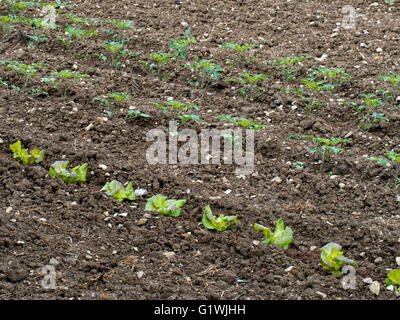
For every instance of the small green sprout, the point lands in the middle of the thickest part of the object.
(22, 155)
(33, 40)
(332, 259)
(245, 123)
(281, 237)
(121, 25)
(334, 77)
(187, 117)
(161, 59)
(118, 97)
(393, 279)
(76, 35)
(326, 147)
(26, 70)
(63, 80)
(221, 223)
(250, 88)
(240, 51)
(206, 70)
(370, 117)
(116, 50)
(115, 190)
(58, 169)
(165, 207)
(394, 166)
(286, 66)
(176, 106)
(394, 79)
(181, 46)
(137, 114)
(309, 99)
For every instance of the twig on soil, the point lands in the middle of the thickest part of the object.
(100, 277)
(211, 268)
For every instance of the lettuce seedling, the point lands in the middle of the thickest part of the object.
(221, 223)
(117, 191)
(58, 169)
(393, 279)
(332, 259)
(165, 207)
(281, 237)
(22, 155)
(137, 114)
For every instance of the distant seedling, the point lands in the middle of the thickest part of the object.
(220, 223)
(137, 114)
(181, 46)
(117, 97)
(160, 61)
(166, 207)
(243, 122)
(116, 52)
(63, 80)
(332, 259)
(241, 53)
(281, 236)
(334, 77)
(394, 165)
(22, 155)
(326, 147)
(287, 64)
(249, 82)
(116, 190)
(75, 35)
(309, 98)
(58, 169)
(370, 117)
(206, 70)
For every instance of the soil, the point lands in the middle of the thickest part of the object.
(99, 252)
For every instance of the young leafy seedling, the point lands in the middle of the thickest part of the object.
(160, 60)
(116, 190)
(334, 77)
(206, 70)
(76, 35)
(137, 114)
(394, 79)
(166, 207)
(393, 279)
(281, 237)
(326, 147)
(63, 80)
(118, 97)
(245, 123)
(181, 46)
(221, 223)
(241, 52)
(309, 98)
(332, 259)
(249, 82)
(287, 64)
(58, 169)
(370, 117)
(26, 70)
(22, 155)
(394, 166)
(116, 51)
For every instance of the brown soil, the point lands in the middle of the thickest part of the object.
(101, 252)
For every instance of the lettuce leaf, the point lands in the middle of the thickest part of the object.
(332, 258)
(221, 223)
(281, 237)
(117, 191)
(58, 169)
(166, 207)
(22, 155)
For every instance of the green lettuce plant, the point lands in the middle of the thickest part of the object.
(22, 155)
(116, 190)
(58, 169)
(166, 207)
(332, 259)
(393, 279)
(220, 223)
(282, 236)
